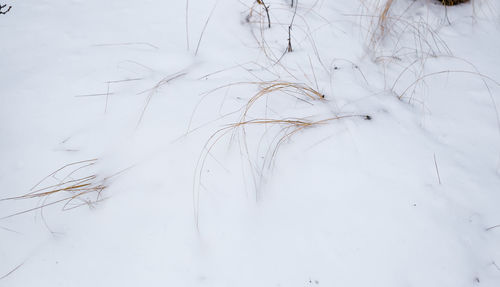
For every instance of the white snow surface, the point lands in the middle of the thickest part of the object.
(407, 197)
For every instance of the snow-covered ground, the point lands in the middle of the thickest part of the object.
(367, 156)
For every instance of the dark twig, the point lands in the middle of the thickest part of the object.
(437, 169)
(496, 266)
(492, 227)
(289, 48)
(261, 2)
(12, 271)
(3, 6)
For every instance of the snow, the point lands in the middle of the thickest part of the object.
(406, 197)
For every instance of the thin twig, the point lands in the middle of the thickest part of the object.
(3, 6)
(12, 271)
(496, 266)
(266, 8)
(290, 49)
(124, 80)
(447, 72)
(93, 95)
(107, 98)
(437, 170)
(492, 227)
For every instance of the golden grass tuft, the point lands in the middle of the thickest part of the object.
(76, 184)
(382, 20)
(285, 127)
(293, 89)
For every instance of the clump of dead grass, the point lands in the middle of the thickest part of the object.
(287, 129)
(284, 128)
(73, 185)
(299, 91)
(402, 42)
(395, 33)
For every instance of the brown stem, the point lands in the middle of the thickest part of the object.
(261, 2)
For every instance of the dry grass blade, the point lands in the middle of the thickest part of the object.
(265, 88)
(127, 44)
(204, 28)
(154, 89)
(482, 76)
(382, 20)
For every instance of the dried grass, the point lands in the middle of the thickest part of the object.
(294, 89)
(286, 128)
(76, 184)
(152, 91)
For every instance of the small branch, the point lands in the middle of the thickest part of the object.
(107, 98)
(289, 48)
(437, 170)
(18, 266)
(492, 227)
(261, 2)
(496, 266)
(3, 6)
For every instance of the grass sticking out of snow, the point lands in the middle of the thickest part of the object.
(73, 185)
